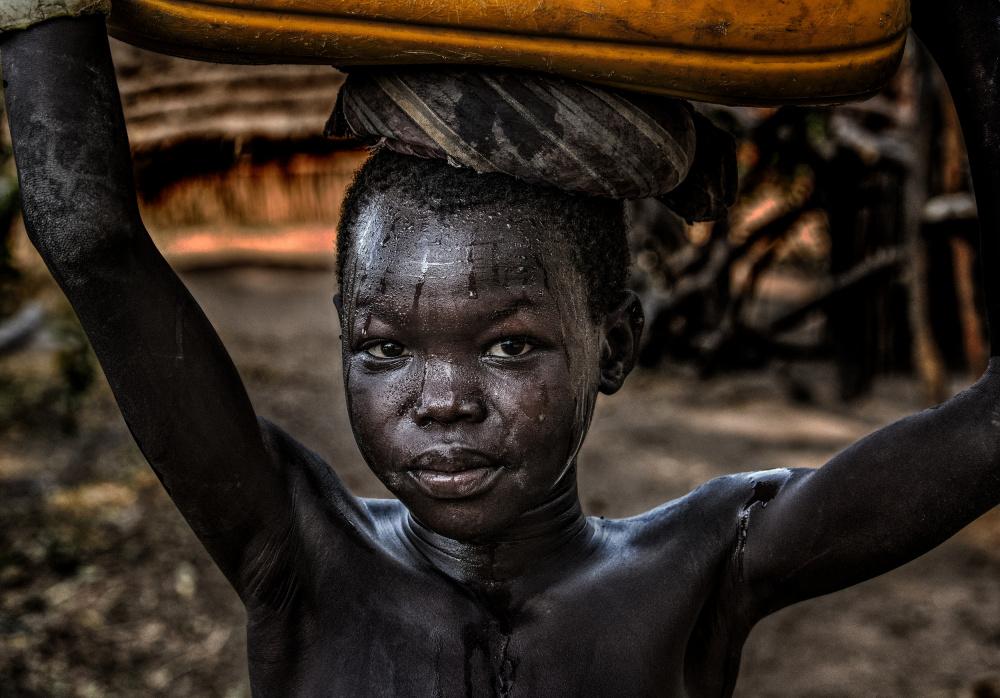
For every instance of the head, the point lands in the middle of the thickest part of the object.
(481, 317)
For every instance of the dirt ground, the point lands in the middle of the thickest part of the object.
(104, 591)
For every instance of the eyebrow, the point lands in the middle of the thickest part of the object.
(512, 309)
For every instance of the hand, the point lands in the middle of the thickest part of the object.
(21, 14)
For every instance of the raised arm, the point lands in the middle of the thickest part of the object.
(177, 388)
(909, 486)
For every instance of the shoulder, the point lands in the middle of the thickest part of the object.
(696, 542)
(301, 466)
(709, 519)
(732, 494)
(319, 499)
(323, 529)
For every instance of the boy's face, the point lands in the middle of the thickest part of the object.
(471, 362)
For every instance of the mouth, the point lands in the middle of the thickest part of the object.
(453, 474)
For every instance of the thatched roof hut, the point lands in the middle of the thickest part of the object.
(231, 163)
(169, 100)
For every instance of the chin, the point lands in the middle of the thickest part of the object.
(466, 521)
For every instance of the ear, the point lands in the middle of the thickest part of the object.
(620, 347)
(338, 303)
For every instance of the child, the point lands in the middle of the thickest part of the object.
(477, 332)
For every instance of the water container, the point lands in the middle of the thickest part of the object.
(729, 51)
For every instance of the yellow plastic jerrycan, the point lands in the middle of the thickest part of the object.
(731, 51)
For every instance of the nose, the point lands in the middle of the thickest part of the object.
(447, 395)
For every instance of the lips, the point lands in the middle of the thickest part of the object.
(453, 473)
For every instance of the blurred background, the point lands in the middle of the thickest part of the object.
(842, 293)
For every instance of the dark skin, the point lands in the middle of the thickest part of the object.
(484, 578)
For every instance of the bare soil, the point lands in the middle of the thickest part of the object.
(105, 592)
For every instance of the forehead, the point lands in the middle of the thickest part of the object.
(484, 253)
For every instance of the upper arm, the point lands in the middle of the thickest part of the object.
(176, 386)
(185, 404)
(880, 503)
(911, 485)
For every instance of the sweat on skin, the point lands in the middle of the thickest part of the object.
(501, 362)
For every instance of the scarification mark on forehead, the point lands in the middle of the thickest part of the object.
(365, 239)
(473, 292)
(407, 245)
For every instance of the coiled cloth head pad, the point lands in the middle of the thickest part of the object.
(545, 130)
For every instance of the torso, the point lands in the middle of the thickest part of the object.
(647, 606)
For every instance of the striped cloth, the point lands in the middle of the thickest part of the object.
(545, 130)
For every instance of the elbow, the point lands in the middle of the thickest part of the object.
(992, 373)
(77, 254)
(77, 217)
(987, 388)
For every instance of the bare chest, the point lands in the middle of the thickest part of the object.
(401, 635)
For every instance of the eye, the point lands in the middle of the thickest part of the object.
(509, 347)
(388, 350)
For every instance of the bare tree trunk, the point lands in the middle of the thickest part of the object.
(925, 353)
(963, 261)
(963, 255)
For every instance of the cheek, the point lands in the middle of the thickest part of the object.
(373, 398)
(527, 400)
(538, 415)
(376, 405)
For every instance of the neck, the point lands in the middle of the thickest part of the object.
(552, 531)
